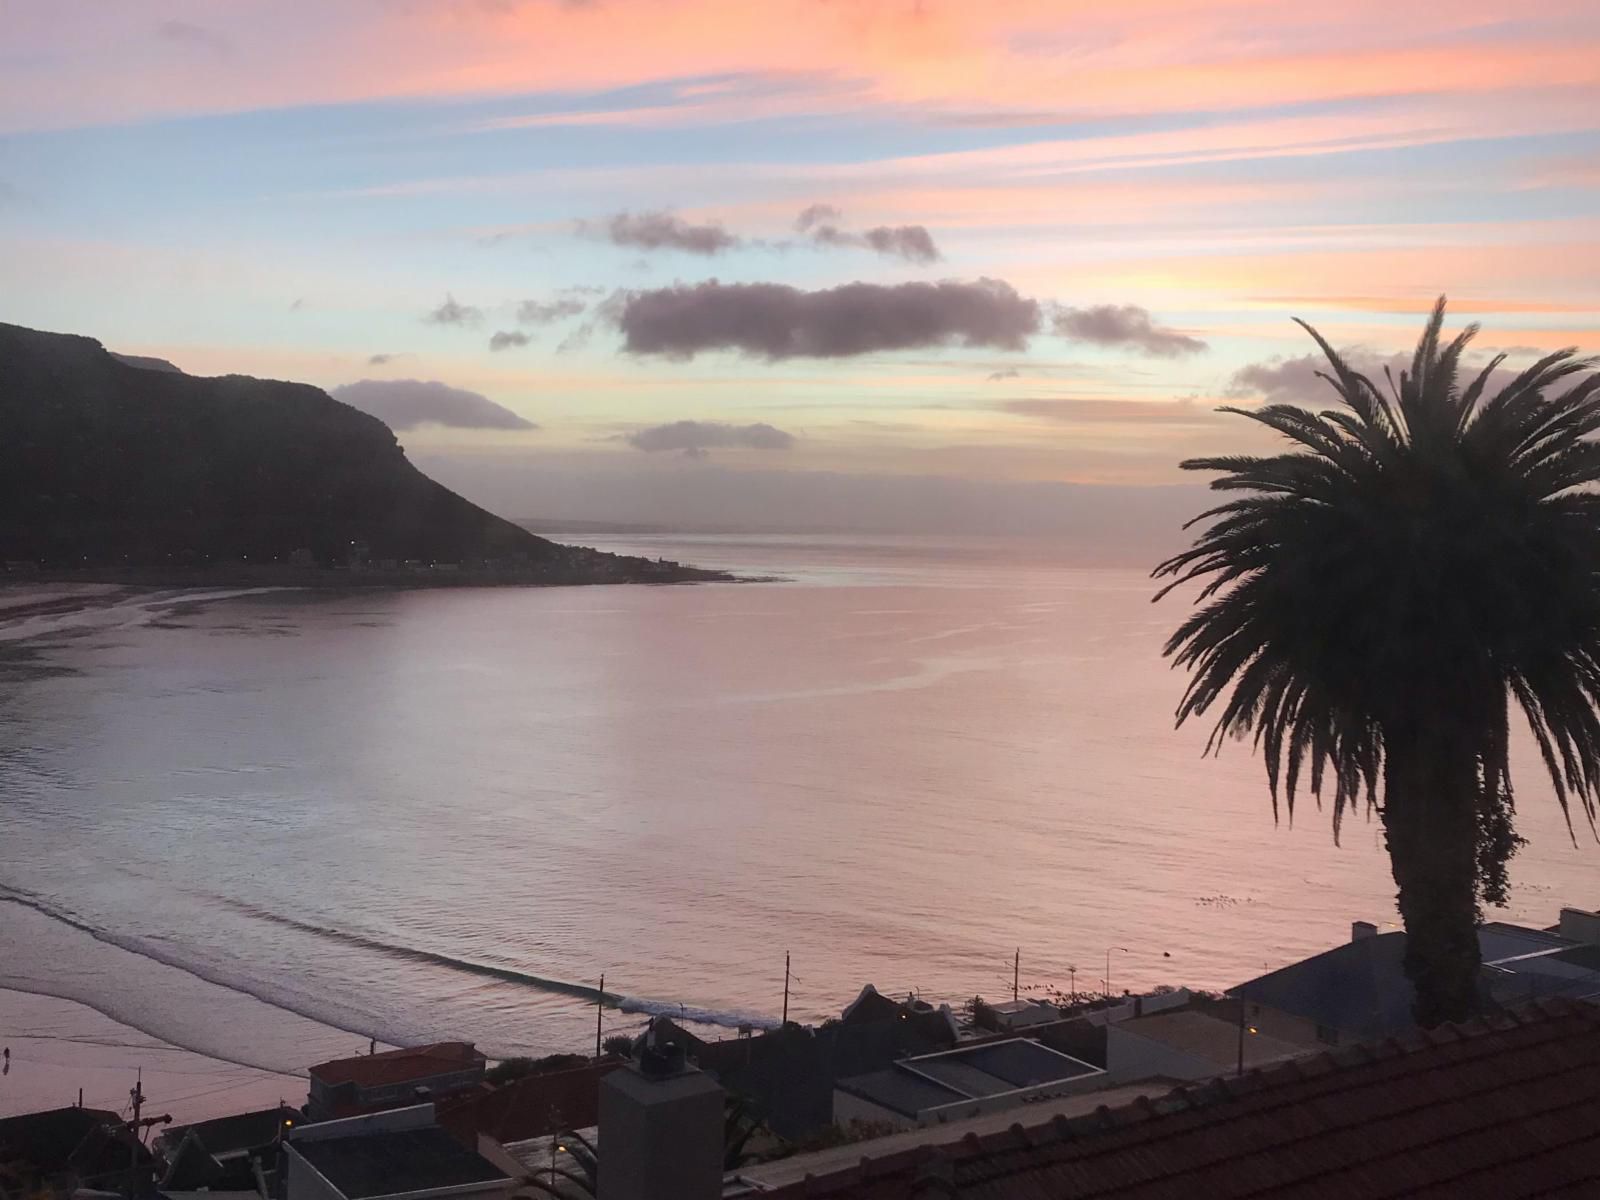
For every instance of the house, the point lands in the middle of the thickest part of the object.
(534, 1106)
(1359, 990)
(1016, 1014)
(225, 1153)
(401, 1154)
(68, 1148)
(392, 1079)
(1204, 1041)
(982, 1077)
(1507, 1108)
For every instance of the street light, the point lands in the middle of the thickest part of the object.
(1107, 979)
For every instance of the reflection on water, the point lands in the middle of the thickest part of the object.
(446, 813)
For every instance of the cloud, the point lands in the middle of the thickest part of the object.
(660, 230)
(410, 403)
(817, 214)
(451, 313)
(911, 242)
(299, 303)
(695, 438)
(186, 34)
(377, 360)
(1008, 373)
(1294, 380)
(775, 321)
(1073, 410)
(507, 339)
(1124, 325)
(546, 312)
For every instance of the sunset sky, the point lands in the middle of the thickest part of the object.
(740, 257)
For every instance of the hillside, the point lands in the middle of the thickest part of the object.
(106, 465)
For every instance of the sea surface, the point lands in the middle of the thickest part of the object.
(270, 826)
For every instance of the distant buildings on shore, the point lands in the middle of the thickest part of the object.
(1285, 1079)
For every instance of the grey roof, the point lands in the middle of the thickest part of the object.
(968, 1073)
(381, 1164)
(1360, 988)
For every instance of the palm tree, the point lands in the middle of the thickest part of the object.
(1372, 597)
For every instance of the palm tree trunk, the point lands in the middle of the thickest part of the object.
(1431, 826)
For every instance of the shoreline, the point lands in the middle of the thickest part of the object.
(59, 1046)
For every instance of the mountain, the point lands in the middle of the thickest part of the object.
(107, 464)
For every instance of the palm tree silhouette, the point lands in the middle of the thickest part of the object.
(1372, 597)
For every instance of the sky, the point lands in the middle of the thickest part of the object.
(898, 264)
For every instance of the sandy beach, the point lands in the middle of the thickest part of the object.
(59, 1046)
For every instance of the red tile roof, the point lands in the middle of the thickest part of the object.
(398, 1066)
(530, 1107)
(1504, 1109)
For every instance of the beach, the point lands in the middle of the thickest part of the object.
(60, 1046)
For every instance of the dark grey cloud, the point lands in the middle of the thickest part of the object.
(1124, 325)
(409, 403)
(452, 313)
(298, 304)
(184, 33)
(547, 312)
(911, 242)
(774, 321)
(1294, 380)
(508, 339)
(1075, 410)
(695, 438)
(1008, 373)
(377, 360)
(660, 230)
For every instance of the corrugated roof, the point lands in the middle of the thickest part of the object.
(398, 1066)
(530, 1107)
(1504, 1109)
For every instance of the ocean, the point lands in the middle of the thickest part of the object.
(270, 826)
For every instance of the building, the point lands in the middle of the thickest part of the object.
(225, 1154)
(983, 1077)
(401, 1154)
(1359, 990)
(1013, 1015)
(534, 1106)
(66, 1148)
(392, 1079)
(1506, 1109)
(1204, 1042)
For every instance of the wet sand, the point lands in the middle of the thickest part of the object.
(58, 1046)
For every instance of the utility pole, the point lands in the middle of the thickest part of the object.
(599, 1013)
(1072, 974)
(137, 1095)
(785, 987)
(1107, 979)
(1016, 974)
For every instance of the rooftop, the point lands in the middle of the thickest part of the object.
(381, 1164)
(1207, 1036)
(1508, 1108)
(398, 1066)
(913, 1085)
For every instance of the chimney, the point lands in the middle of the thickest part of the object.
(1362, 929)
(660, 1130)
(1579, 925)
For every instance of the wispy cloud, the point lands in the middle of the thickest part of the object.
(453, 313)
(508, 339)
(547, 312)
(1124, 325)
(775, 321)
(405, 404)
(1075, 410)
(660, 230)
(695, 438)
(185, 33)
(820, 222)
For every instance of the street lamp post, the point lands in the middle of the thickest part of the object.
(1107, 980)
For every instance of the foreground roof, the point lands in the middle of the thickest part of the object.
(1504, 1109)
(381, 1164)
(398, 1066)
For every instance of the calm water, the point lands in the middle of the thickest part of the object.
(412, 815)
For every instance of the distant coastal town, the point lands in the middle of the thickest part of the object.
(905, 1096)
